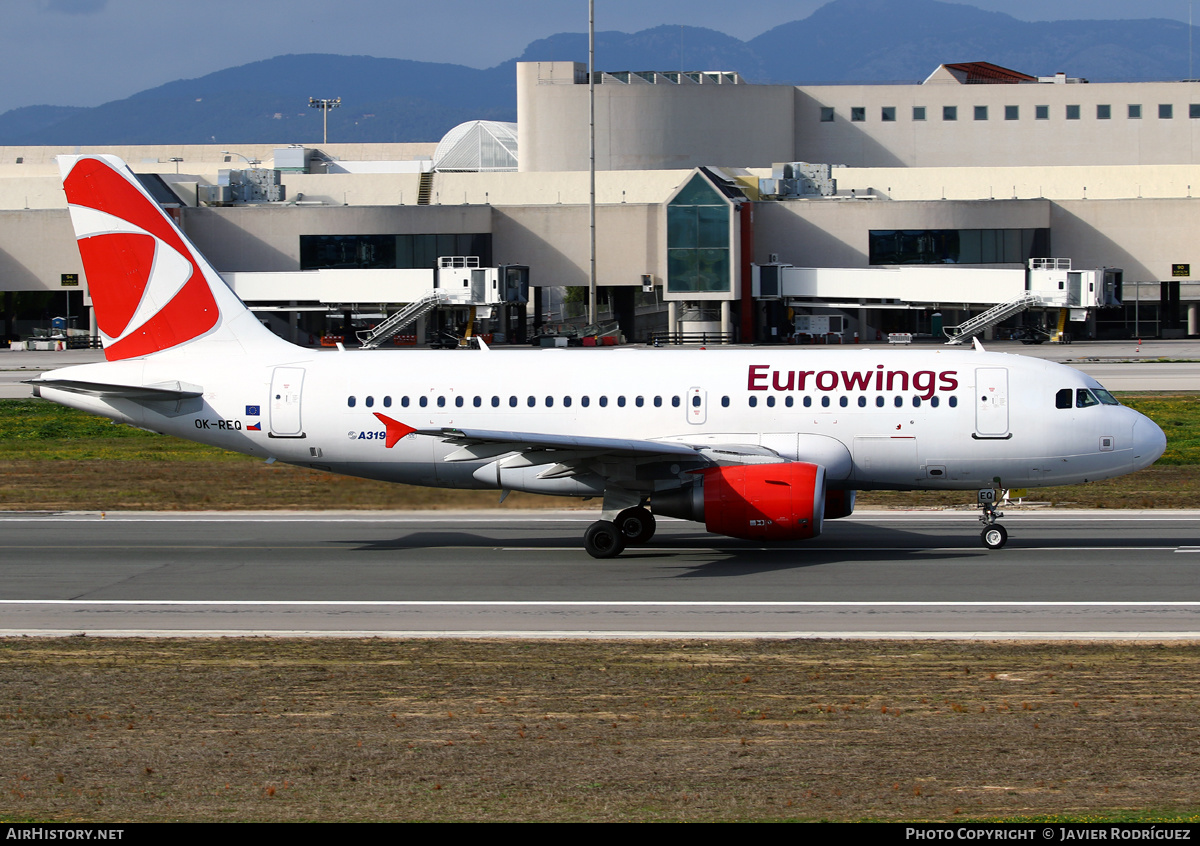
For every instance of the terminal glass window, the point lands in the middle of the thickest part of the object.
(918, 113)
(949, 112)
(1072, 112)
(1165, 111)
(1135, 111)
(1041, 112)
(887, 114)
(391, 251)
(1012, 112)
(698, 240)
(1103, 112)
(827, 114)
(858, 113)
(957, 246)
(981, 113)
(1194, 110)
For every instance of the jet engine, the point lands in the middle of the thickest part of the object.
(753, 502)
(839, 504)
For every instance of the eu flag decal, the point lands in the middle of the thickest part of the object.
(252, 411)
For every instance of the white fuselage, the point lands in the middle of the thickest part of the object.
(939, 419)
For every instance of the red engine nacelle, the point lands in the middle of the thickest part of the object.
(754, 502)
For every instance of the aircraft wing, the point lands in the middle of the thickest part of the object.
(479, 444)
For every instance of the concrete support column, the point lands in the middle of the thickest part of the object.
(672, 317)
(726, 320)
(1193, 319)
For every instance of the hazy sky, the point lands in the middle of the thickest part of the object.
(87, 52)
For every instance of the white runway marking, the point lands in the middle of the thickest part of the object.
(596, 603)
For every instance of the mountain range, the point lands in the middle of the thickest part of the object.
(390, 100)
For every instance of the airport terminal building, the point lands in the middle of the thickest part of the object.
(723, 207)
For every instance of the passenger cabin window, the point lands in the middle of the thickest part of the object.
(350, 401)
(370, 402)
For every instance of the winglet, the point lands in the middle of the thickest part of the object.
(395, 429)
(975, 343)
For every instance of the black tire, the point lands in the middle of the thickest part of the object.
(994, 536)
(602, 540)
(636, 525)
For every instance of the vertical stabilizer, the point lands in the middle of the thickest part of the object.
(151, 288)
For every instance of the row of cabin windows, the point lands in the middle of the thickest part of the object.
(514, 402)
(1083, 398)
(640, 402)
(1133, 111)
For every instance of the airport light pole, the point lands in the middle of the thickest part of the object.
(592, 159)
(249, 161)
(324, 106)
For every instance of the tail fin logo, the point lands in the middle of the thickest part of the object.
(148, 291)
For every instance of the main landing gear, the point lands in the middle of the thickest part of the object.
(608, 539)
(994, 536)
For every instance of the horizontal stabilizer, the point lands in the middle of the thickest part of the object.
(159, 392)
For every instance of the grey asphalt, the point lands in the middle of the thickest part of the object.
(887, 574)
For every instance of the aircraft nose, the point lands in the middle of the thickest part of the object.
(1149, 441)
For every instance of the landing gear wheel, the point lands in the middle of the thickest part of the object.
(603, 540)
(994, 536)
(636, 525)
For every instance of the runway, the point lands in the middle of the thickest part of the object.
(876, 574)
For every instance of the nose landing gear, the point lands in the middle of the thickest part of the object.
(993, 536)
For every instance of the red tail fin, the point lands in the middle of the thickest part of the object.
(151, 289)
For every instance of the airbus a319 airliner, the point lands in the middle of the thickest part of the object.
(760, 444)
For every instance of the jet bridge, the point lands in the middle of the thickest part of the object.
(999, 293)
(457, 281)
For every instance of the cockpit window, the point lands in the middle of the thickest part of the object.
(1063, 398)
(1105, 397)
(1084, 398)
